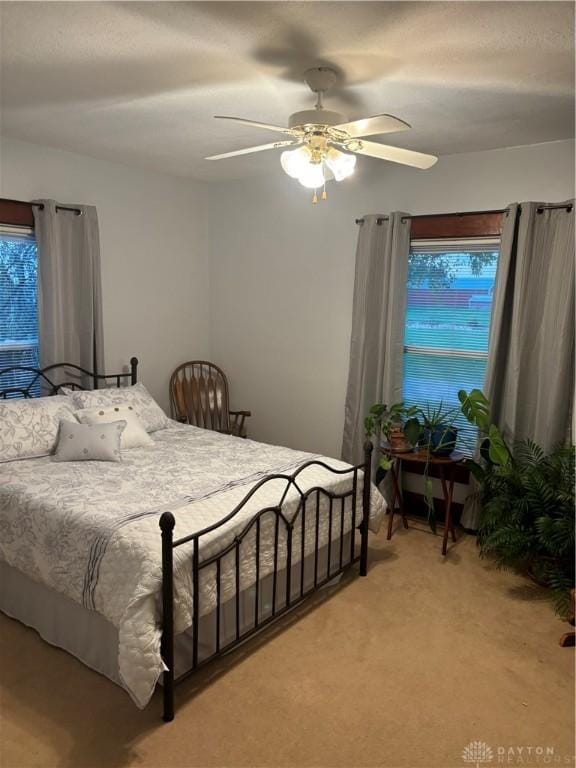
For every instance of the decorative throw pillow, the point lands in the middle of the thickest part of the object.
(132, 437)
(29, 427)
(89, 442)
(147, 409)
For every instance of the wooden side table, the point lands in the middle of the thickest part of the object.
(447, 470)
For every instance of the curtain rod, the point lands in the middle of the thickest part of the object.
(380, 219)
(567, 206)
(77, 211)
(552, 206)
(456, 213)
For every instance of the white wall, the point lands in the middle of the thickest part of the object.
(153, 239)
(264, 289)
(282, 274)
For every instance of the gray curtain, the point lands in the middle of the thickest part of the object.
(530, 374)
(69, 286)
(376, 347)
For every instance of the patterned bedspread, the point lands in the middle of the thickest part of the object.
(90, 529)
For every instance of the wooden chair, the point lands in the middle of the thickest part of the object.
(199, 396)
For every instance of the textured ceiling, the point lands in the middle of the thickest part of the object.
(139, 82)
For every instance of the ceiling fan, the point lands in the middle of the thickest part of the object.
(326, 143)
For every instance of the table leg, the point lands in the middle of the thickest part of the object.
(396, 494)
(444, 486)
(448, 494)
(399, 495)
(402, 510)
(392, 506)
(451, 494)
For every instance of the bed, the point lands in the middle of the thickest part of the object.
(152, 567)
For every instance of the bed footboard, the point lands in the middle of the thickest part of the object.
(289, 565)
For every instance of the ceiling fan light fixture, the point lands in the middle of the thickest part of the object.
(312, 177)
(294, 162)
(341, 164)
(301, 164)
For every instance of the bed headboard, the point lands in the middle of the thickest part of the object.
(42, 380)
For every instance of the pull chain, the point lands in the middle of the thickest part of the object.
(315, 198)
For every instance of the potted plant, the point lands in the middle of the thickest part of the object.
(433, 430)
(390, 421)
(527, 521)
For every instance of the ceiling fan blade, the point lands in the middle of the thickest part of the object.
(370, 126)
(256, 124)
(250, 150)
(394, 154)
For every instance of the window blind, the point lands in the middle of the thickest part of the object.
(18, 304)
(448, 312)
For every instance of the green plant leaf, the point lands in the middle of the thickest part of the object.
(475, 408)
(485, 450)
(412, 430)
(386, 462)
(378, 409)
(498, 450)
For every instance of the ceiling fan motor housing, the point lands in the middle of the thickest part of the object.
(320, 79)
(316, 117)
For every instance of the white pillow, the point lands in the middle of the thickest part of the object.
(29, 427)
(89, 442)
(147, 409)
(132, 437)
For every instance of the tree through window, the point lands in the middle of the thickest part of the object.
(18, 302)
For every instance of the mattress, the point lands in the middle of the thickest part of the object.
(89, 637)
(89, 530)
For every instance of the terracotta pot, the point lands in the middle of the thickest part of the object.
(397, 440)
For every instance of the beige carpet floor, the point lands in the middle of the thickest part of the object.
(401, 669)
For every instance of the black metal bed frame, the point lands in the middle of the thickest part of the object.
(309, 502)
(39, 377)
(169, 544)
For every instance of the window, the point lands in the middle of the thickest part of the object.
(450, 291)
(18, 302)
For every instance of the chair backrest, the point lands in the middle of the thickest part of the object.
(199, 395)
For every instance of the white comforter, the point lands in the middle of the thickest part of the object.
(90, 529)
